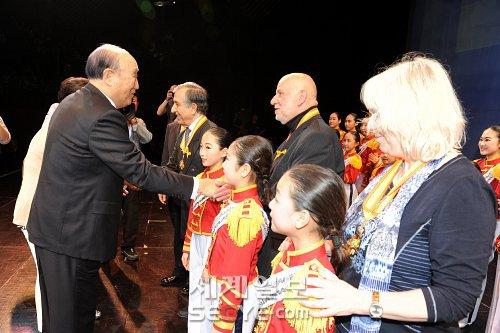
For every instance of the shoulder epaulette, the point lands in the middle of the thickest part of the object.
(373, 144)
(304, 324)
(355, 161)
(244, 222)
(495, 172)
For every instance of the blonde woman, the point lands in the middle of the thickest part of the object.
(420, 234)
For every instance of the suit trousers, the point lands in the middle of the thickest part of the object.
(179, 211)
(130, 219)
(68, 288)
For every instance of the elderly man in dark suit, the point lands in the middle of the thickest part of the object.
(190, 104)
(75, 212)
(310, 140)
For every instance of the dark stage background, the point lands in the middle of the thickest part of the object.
(238, 50)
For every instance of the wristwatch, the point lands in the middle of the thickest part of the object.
(376, 309)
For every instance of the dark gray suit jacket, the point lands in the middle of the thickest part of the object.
(171, 133)
(88, 153)
(193, 165)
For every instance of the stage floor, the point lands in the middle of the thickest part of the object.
(130, 296)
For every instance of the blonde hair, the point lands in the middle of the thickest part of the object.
(414, 100)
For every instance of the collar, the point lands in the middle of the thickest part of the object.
(244, 193)
(94, 89)
(351, 153)
(194, 123)
(310, 252)
(214, 174)
(367, 138)
(109, 99)
(491, 162)
(292, 124)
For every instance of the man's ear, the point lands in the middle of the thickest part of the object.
(301, 219)
(302, 97)
(109, 76)
(193, 107)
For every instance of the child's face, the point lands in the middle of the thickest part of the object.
(333, 121)
(363, 127)
(350, 123)
(210, 151)
(282, 209)
(349, 142)
(232, 169)
(489, 142)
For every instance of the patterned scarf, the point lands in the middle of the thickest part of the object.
(375, 257)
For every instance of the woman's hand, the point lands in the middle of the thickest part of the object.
(373, 158)
(185, 260)
(330, 296)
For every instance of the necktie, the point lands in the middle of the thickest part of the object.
(184, 147)
(186, 136)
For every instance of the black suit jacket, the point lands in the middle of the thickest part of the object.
(314, 142)
(192, 163)
(88, 153)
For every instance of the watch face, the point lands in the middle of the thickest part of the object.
(376, 311)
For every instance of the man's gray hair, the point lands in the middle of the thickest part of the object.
(195, 94)
(105, 56)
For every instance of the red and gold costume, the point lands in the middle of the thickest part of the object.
(200, 218)
(368, 146)
(233, 255)
(279, 318)
(486, 165)
(353, 165)
(492, 166)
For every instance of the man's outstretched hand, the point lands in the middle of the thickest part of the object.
(215, 189)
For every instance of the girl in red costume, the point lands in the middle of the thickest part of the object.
(489, 165)
(238, 232)
(368, 145)
(352, 163)
(309, 205)
(202, 212)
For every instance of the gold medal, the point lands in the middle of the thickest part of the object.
(181, 164)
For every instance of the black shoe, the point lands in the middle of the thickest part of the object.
(130, 254)
(185, 289)
(183, 313)
(173, 281)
